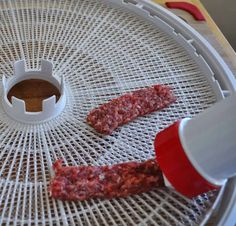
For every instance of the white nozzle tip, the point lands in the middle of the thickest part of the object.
(166, 182)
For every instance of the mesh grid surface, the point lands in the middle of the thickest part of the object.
(102, 52)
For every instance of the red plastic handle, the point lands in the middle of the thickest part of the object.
(192, 9)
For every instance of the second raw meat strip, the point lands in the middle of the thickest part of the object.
(127, 107)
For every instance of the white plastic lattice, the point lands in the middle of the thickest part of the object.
(102, 51)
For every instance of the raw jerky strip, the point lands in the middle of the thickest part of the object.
(126, 108)
(85, 182)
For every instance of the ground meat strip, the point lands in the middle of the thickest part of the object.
(74, 183)
(126, 108)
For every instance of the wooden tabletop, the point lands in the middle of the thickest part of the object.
(208, 29)
(33, 92)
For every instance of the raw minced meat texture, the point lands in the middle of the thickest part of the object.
(119, 111)
(77, 183)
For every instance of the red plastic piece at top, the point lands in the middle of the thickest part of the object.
(192, 9)
(176, 166)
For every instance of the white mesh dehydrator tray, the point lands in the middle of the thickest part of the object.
(103, 49)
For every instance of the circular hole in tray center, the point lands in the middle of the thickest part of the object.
(33, 92)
